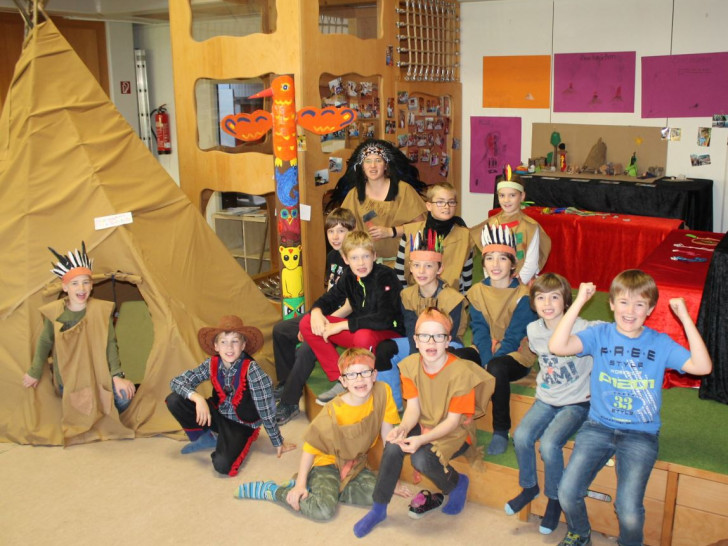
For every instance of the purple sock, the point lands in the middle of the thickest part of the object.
(457, 497)
(376, 515)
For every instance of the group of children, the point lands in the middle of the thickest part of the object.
(402, 330)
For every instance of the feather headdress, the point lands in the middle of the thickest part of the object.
(73, 264)
(426, 245)
(508, 181)
(498, 239)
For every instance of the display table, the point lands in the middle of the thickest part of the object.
(596, 248)
(683, 279)
(689, 200)
(713, 325)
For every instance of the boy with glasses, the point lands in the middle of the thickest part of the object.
(457, 247)
(444, 396)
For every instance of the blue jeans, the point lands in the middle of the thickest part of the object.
(554, 425)
(636, 455)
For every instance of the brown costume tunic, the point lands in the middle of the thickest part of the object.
(435, 393)
(88, 397)
(407, 206)
(447, 300)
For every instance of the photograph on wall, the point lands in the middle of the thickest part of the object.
(720, 120)
(704, 134)
(321, 177)
(594, 82)
(684, 86)
(521, 81)
(336, 164)
(494, 142)
(699, 160)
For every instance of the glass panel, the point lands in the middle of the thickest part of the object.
(358, 18)
(212, 18)
(219, 98)
(358, 93)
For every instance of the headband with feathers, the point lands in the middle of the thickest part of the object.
(498, 239)
(74, 264)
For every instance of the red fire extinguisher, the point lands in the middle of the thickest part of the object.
(161, 124)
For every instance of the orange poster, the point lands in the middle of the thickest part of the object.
(522, 81)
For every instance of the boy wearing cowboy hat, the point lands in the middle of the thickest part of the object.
(242, 397)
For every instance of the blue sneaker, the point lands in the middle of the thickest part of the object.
(207, 441)
(573, 539)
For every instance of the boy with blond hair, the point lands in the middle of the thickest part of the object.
(370, 292)
(626, 395)
(333, 463)
(456, 245)
(444, 396)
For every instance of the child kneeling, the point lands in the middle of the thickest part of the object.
(444, 395)
(333, 462)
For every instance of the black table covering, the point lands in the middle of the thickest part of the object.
(713, 325)
(689, 200)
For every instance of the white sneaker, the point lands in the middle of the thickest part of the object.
(330, 394)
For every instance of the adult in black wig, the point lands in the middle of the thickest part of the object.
(381, 188)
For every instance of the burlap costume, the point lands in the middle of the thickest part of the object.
(456, 247)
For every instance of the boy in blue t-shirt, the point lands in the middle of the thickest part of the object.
(626, 394)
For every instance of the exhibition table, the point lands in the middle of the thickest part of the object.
(713, 325)
(596, 248)
(689, 200)
(684, 277)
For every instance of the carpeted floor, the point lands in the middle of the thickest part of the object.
(144, 491)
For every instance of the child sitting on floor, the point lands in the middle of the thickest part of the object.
(242, 397)
(561, 405)
(533, 245)
(626, 394)
(333, 463)
(499, 314)
(371, 291)
(444, 397)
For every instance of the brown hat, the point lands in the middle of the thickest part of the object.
(230, 323)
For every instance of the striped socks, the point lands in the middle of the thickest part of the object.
(257, 490)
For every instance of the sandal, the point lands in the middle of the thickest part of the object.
(424, 502)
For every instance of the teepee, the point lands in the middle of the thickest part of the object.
(67, 157)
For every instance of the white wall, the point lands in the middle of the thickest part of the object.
(155, 39)
(120, 53)
(545, 27)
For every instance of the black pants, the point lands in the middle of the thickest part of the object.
(505, 369)
(233, 439)
(424, 460)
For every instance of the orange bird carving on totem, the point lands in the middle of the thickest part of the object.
(283, 118)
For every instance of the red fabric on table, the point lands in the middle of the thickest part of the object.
(679, 279)
(596, 248)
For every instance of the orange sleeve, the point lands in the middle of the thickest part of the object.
(463, 404)
(409, 390)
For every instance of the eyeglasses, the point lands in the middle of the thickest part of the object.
(443, 204)
(437, 338)
(351, 376)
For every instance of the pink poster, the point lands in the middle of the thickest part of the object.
(594, 82)
(494, 142)
(685, 86)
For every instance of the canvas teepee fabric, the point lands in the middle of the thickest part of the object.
(67, 157)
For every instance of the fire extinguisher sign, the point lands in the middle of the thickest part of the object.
(125, 88)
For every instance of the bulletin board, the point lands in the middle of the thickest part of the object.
(621, 140)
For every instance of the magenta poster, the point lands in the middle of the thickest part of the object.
(685, 86)
(594, 82)
(494, 142)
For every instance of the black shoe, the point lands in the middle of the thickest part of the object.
(286, 412)
(424, 502)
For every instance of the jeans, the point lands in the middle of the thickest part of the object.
(423, 460)
(636, 454)
(554, 425)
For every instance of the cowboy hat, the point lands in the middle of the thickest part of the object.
(230, 323)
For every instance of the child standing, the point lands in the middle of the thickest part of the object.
(333, 462)
(371, 292)
(562, 401)
(73, 345)
(626, 386)
(294, 364)
(533, 245)
(242, 397)
(444, 396)
(456, 246)
(500, 313)
(429, 290)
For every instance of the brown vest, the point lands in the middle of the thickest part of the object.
(447, 300)
(88, 397)
(435, 394)
(349, 444)
(456, 248)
